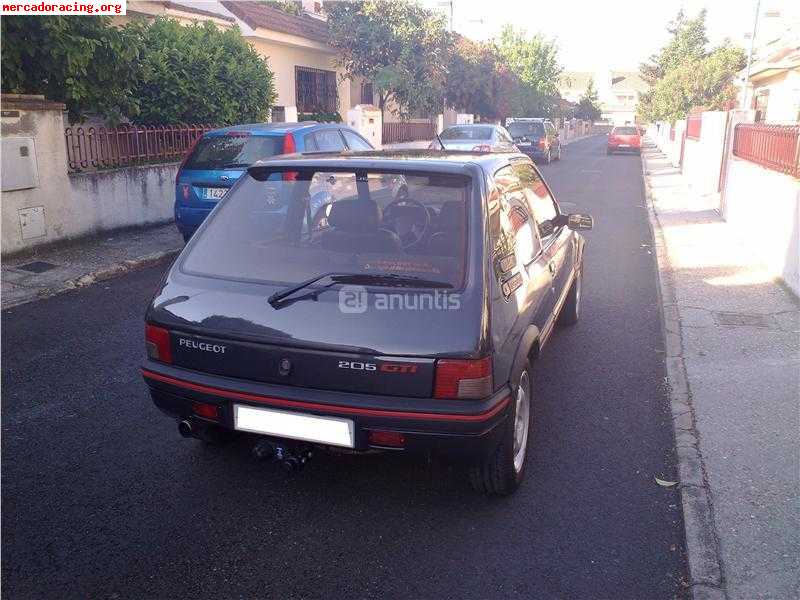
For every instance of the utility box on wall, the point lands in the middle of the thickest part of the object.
(31, 222)
(366, 119)
(20, 171)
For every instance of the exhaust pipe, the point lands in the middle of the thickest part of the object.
(185, 429)
(290, 460)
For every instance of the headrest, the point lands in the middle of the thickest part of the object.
(355, 215)
(451, 216)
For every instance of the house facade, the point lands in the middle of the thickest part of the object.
(295, 46)
(617, 92)
(773, 89)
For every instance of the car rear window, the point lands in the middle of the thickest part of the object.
(467, 133)
(625, 131)
(231, 151)
(522, 128)
(283, 228)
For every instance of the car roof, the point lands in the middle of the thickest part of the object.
(270, 128)
(402, 160)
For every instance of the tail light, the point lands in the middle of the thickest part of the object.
(158, 343)
(206, 410)
(186, 156)
(390, 439)
(541, 143)
(482, 148)
(463, 379)
(289, 147)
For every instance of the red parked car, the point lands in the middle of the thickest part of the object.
(624, 139)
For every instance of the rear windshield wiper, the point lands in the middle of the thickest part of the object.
(235, 166)
(389, 279)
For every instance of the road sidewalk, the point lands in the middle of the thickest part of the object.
(58, 268)
(733, 365)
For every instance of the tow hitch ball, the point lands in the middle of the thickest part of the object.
(290, 459)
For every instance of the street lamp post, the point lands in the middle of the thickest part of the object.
(746, 94)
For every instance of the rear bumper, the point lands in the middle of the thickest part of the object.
(533, 151)
(463, 428)
(617, 148)
(189, 218)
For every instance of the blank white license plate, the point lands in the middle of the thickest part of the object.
(624, 145)
(311, 428)
(214, 193)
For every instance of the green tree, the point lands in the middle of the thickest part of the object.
(705, 82)
(534, 60)
(399, 46)
(588, 107)
(83, 62)
(200, 74)
(687, 42)
(684, 74)
(477, 80)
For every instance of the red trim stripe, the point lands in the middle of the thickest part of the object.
(367, 412)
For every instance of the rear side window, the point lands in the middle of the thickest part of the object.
(625, 131)
(538, 199)
(231, 151)
(329, 140)
(355, 141)
(285, 230)
(510, 223)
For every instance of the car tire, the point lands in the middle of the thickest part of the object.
(187, 237)
(558, 154)
(501, 471)
(608, 151)
(571, 310)
(548, 157)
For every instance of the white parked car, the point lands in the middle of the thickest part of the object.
(477, 138)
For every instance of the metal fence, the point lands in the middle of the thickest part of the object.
(93, 148)
(408, 132)
(775, 147)
(694, 124)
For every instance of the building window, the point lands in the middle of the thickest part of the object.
(367, 93)
(315, 90)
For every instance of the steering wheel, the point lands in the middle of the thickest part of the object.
(409, 219)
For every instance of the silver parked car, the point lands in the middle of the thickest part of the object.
(480, 138)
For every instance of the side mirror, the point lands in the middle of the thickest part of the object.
(578, 222)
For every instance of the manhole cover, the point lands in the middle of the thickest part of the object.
(740, 320)
(38, 266)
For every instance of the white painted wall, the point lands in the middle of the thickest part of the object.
(702, 159)
(76, 205)
(764, 207)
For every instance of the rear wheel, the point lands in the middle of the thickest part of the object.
(500, 472)
(187, 237)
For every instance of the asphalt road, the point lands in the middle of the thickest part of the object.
(102, 499)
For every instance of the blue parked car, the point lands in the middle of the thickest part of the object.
(220, 157)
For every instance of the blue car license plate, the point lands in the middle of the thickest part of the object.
(214, 193)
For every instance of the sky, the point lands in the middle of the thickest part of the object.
(611, 34)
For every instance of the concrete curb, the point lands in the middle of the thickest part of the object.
(105, 273)
(706, 577)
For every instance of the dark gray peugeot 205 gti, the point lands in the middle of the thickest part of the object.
(369, 301)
